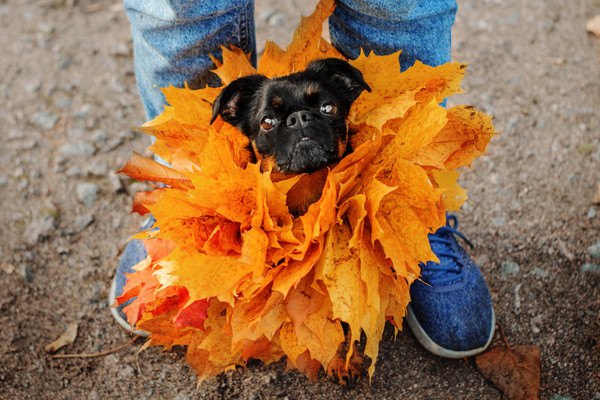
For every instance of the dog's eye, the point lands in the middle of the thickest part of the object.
(328, 108)
(268, 123)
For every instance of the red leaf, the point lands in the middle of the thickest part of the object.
(193, 315)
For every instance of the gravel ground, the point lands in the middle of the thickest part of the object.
(68, 94)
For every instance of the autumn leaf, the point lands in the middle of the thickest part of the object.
(247, 263)
(68, 337)
(515, 370)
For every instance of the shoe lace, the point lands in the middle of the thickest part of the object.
(444, 245)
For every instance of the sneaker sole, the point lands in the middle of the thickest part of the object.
(112, 298)
(438, 350)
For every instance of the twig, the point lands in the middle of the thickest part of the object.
(503, 337)
(99, 354)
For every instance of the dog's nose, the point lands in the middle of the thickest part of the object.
(299, 119)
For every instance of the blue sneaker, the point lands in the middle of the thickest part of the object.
(451, 312)
(134, 253)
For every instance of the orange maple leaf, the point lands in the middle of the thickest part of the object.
(242, 277)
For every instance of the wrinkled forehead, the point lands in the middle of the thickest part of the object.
(286, 92)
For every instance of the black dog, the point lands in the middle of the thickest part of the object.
(298, 120)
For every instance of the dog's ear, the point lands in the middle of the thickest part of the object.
(340, 73)
(231, 102)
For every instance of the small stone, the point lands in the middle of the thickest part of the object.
(3, 180)
(592, 213)
(33, 85)
(44, 120)
(23, 184)
(63, 102)
(84, 111)
(77, 149)
(97, 168)
(126, 371)
(39, 229)
(127, 134)
(510, 268)
(27, 144)
(99, 136)
(511, 124)
(115, 183)
(561, 397)
(87, 193)
(590, 268)
(27, 273)
(83, 221)
(61, 250)
(594, 250)
(112, 144)
(540, 272)
(121, 49)
(517, 290)
(515, 205)
(498, 221)
(7, 267)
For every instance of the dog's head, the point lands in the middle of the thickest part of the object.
(300, 119)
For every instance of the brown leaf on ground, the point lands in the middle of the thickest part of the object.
(593, 25)
(514, 370)
(68, 337)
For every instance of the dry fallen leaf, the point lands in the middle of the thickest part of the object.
(233, 274)
(514, 370)
(68, 337)
(593, 25)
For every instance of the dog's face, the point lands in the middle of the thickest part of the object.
(299, 120)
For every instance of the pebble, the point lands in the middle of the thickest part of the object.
(99, 136)
(498, 221)
(592, 213)
(3, 180)
(594, 250)
(542, 273)
(84, 111)
(518, 296)
(115, 183)
(510, 268)
(39, 229)
(43, 119)
(126, 371)
(77, 149)
(561, 397)
(590, 268)
(27, 273)
(112, 144)
(87, 193)
(97, 168)
(27, 144)
(83, 221)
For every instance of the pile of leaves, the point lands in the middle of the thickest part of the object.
(233, 275)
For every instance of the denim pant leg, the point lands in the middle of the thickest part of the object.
(172, 41)
(420, 28)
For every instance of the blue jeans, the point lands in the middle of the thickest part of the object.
(173, 38)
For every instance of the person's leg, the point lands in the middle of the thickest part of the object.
(420, 28)
(451, 314)
(172, 41)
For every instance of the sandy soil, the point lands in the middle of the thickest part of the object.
(68, 97)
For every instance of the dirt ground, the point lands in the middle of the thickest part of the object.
(68, 97)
